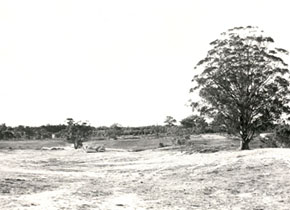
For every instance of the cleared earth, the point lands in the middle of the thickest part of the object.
(151, 179)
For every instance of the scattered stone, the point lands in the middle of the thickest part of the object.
(100, 149)
(208, 150)
(52, 148)
(94, 149)
(57, 148)
(120, 204)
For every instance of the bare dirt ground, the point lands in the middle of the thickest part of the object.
(152, 179)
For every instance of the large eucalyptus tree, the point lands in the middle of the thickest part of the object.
(245, 80)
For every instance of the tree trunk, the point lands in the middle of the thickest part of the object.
(244, 145)
(76, 146)
(78, 143)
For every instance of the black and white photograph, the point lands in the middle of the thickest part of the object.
(144, 105)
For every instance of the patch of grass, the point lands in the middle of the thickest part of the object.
(208, 143)
(134, 144)
(32, 144)
(199, 143)
(20, 186)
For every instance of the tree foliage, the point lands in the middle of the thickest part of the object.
(114, 131)
(245, 80)
(77, 132)
(6, 132)
(170, 121)
(282, 135)
(195, 122)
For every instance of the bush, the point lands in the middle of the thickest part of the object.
(282, 135)
(279, 138)
(268, 140)
(183, 140)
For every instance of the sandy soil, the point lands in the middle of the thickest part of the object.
(70, 179)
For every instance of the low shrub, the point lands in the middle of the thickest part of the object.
(282, 135)
(279, 138)
(268, 140)
(180, 140)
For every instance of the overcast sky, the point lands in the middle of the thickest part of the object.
(114, 61)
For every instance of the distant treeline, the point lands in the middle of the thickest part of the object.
(112, 132)
(60, 131)
(27, 132)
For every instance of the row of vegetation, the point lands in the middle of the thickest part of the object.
(78, 132)
(193, 124)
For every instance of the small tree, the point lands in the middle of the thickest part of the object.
(6, 132)
(77, 132)
(170, 121)
(245, 80)
(114, 131)
(195, 122)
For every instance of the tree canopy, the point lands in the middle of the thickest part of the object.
(170, 121)
(245, 80)
(77, 132)
(193, 121)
